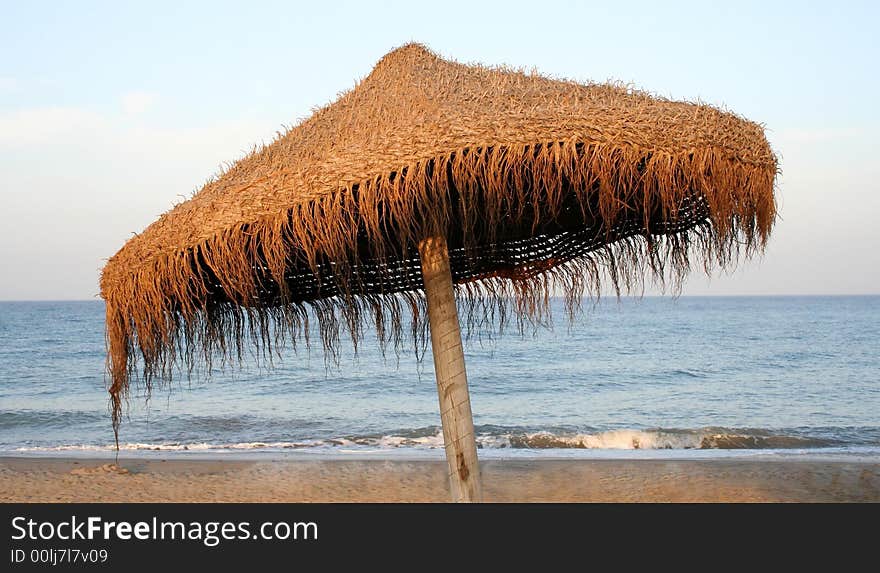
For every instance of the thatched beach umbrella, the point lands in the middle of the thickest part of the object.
(431, 181)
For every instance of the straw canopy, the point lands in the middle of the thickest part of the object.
(539, 186)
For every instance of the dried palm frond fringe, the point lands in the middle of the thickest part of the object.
(523, 221)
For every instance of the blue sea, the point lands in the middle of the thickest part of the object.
(652, 377)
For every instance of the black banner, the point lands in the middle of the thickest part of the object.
(101, 536)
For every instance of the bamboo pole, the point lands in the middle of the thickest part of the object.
(452, 389)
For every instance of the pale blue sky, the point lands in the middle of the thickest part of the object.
(110, 113)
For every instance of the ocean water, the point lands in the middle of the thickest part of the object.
(652, 377)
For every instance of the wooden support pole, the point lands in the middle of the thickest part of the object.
(452, 389)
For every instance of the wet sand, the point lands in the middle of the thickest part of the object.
(179, 480)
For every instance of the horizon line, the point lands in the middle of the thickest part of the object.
(586, 297)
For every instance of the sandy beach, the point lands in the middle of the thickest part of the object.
(178, 480)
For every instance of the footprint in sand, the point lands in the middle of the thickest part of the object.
(97, 470)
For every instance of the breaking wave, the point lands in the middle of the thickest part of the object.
(492, 438)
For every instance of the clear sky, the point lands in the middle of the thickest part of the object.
(112, 112)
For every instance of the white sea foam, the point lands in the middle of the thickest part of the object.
(610, 440)
(623, 439)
